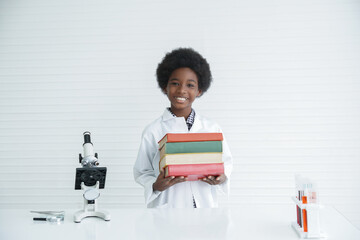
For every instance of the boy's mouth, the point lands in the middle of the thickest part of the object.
(181, 99)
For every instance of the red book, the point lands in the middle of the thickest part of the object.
(194, 171)
(190, 137)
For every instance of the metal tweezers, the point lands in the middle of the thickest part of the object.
(52, 213)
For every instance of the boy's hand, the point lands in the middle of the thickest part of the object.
(215, 180)
(162, 183)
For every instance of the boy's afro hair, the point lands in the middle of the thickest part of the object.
(181, 58)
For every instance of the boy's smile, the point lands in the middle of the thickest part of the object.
(181, 99)
(182, 89)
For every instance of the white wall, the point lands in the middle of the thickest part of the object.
(286, 91)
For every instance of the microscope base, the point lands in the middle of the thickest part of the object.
(80, 215)
(90, 204)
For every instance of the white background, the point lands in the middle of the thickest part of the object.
(286, 92)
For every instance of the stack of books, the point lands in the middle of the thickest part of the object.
(193, 155)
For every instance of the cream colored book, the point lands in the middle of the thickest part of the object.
(190, 158)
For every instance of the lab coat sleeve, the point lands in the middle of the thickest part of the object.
(144, 172)
(228, 165)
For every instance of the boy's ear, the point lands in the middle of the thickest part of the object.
(164, 91)
(199, 94)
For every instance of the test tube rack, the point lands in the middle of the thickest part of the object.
(313, 221)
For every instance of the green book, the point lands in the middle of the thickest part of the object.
(191, 147)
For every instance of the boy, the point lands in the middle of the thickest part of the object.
(183, 75)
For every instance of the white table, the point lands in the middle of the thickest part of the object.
(247, 222)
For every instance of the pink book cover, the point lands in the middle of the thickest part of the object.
(194, 171)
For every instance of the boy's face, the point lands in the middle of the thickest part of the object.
(182, 89)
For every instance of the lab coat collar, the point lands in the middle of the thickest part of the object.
(197, 124)
(167, 115)
(195, 127)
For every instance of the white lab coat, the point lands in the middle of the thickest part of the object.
(180, 195)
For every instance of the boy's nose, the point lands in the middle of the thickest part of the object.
(181, 88)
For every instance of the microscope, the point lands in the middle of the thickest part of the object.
(90, 178)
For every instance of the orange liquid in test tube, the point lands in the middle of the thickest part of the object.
(304, 201)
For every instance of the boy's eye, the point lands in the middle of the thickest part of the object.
(174, 83)
(191, 85)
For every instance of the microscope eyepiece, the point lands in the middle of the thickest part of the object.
(89, 159)
(87, 138)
